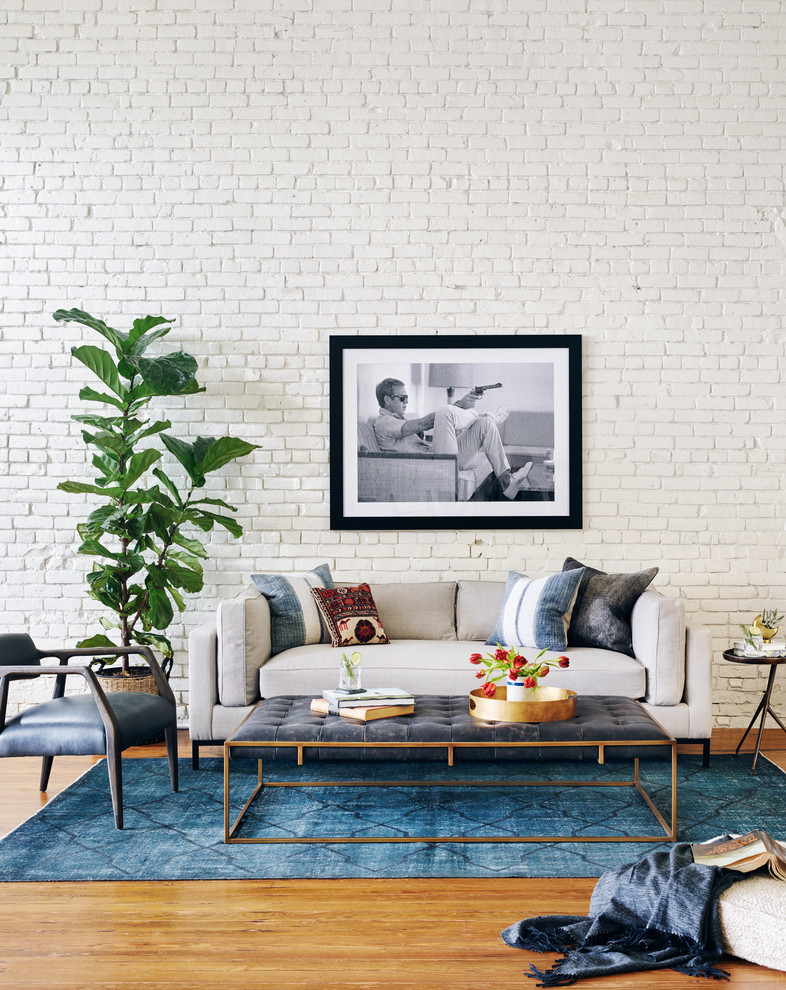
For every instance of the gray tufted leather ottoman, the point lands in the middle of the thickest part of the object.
(604, 729)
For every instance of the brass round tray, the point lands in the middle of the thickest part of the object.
(550, 704)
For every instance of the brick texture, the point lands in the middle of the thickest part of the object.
(271, 173)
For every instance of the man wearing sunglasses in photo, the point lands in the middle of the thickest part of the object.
(457, 429)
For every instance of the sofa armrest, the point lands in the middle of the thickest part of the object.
(202, 680)
(698, 680)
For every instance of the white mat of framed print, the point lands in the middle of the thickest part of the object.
(427, 432)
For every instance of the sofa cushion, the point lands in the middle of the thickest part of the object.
(350, 615)
(441, 667)
(658, 633)
(477, 608)
(243, 645)
(536, 611)
(295, 618)
(420, 610)
(601, 615)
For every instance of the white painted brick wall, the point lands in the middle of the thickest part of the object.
(272, 172)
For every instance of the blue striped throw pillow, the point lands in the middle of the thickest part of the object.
(294, 616)
(536, 611)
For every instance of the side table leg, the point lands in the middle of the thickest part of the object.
(765, 706)
(750, 724)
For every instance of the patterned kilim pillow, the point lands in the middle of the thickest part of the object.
(294, 618)
(536, 611)
(350, 615)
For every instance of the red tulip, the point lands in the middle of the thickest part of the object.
(564, 662)
(518, 662)
(489, 689)
(530, 682)
(480, 673)
(500, 655)
(512, 675)
(543, 671)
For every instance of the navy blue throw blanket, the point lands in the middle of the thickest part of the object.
(659, 912)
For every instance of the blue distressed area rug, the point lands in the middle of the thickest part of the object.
(180, 836)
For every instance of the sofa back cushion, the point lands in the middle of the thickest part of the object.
(477, 609)
(658, 632)
(243, 630)
(417, 610)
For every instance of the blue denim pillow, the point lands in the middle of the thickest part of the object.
(294, 617)
(536, 611)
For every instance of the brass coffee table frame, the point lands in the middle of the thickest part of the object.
(670, 830)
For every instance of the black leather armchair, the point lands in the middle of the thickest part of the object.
(92, 724)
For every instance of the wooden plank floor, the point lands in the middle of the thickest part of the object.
(243, 934)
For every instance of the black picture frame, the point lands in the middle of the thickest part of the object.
(537, 377)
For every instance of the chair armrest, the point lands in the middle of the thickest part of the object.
(108, 717)
(164, 690)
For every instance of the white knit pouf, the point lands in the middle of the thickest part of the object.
(753, 920)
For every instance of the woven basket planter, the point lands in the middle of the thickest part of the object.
(138, 679)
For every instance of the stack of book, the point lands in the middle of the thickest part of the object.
(365, 706)
(743, 853)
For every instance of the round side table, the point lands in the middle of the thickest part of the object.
(764, 705)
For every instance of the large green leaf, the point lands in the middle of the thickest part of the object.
(234, 528)
(91, 395)
(148, 431)
(106, 423)
(79, 488)
(137, 466)
(167, 375)
(159, 521)
(171, 486)
(215, 501)
(96, 549)
(100, 362)
(141, 329)
(160, 611)
(183, 577)
(109, 442)
(188, 559)
(96, 641)
(221, 451)
(101, 518)
(108, 467)
(161, 643)
(184, 452)
(117, 339)
(192, 545)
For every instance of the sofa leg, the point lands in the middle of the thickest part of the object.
(194, 756)
(705, 753)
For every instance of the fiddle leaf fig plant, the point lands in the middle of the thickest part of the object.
(144, 560)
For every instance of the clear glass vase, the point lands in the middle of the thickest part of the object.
(349, 672)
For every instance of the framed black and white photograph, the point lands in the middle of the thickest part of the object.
(455, 432)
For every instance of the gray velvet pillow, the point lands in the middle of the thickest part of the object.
(601, 615)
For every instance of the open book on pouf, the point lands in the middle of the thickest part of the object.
(744, 853)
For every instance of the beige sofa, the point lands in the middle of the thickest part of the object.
(433, 629)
